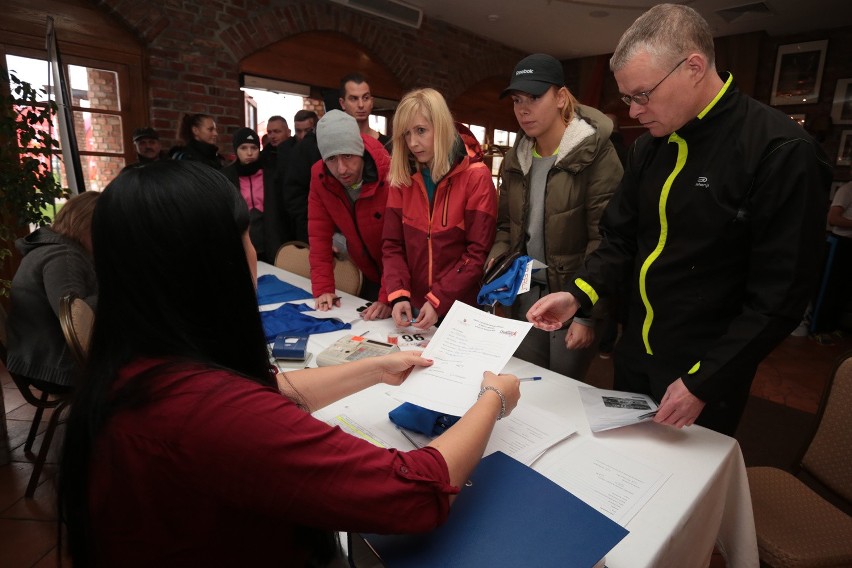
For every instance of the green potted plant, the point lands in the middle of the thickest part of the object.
(28, 186)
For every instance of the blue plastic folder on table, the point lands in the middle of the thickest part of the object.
(290, 319)
(272, 290)
(511, 516)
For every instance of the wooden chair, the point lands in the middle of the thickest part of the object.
(293, 257)
(347, 276)
(796, 525)
(76, 318)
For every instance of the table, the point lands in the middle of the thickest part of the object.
(705, 502)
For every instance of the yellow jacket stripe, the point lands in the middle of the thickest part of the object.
(661, 243)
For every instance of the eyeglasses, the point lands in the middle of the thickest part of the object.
(643, 97)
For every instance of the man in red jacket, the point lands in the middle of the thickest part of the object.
(348, 196)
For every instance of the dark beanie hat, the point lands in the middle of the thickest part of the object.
(245, 136)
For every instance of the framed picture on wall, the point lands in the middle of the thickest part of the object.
(844, 153)
(841, 108)
(798, 73)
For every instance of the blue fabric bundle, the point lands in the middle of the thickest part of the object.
(504, 288)
(419, 419)
(290, 319)
(272, 290)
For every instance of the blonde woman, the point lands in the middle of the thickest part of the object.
(441, 215)
(557, 180)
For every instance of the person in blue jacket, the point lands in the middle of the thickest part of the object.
(718, 221)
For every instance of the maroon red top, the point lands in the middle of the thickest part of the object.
(218, 470)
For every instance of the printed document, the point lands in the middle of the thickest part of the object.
(525, 434)
(612, 483)
(607, 409)
(468, 343)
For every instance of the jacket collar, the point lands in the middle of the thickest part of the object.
(458, 154)
(574, 140)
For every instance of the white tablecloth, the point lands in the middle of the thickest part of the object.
(706, 500)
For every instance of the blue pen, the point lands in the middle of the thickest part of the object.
(525, 379)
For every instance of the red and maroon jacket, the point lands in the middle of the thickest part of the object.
(437, 253)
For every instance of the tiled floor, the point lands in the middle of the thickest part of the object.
(794, 375)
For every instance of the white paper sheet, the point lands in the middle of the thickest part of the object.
(616, 485)
(608, 409)
(468, 343)
(349, 310)
(527, 433)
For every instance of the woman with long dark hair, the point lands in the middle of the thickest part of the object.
(183, 448)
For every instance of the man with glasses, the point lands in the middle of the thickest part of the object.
(719, 221)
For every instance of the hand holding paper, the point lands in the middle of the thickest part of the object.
(607, 409)
(468, 343)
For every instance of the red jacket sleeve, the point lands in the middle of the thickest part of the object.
(396, 278)
(320, 230)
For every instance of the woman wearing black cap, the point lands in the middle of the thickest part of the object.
(256, 184)
(557, 180)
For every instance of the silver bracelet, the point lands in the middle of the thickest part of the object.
(502, 399)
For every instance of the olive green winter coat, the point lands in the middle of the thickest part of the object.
(585, 175)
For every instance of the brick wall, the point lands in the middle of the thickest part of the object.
(194, 48)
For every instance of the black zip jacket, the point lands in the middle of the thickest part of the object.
(720, 227)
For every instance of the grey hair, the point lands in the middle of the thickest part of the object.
(668, 32)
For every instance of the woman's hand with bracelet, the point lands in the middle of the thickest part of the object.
(506, 387)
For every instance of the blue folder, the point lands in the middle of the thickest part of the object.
(511, 516)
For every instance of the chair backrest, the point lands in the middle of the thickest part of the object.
(347, 277)
(829, 455)
(76, 318)
(293, 257)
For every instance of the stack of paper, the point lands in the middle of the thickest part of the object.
(606, 409)
(526, 434)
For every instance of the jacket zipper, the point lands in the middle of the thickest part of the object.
(680, 162)
(352, 211)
